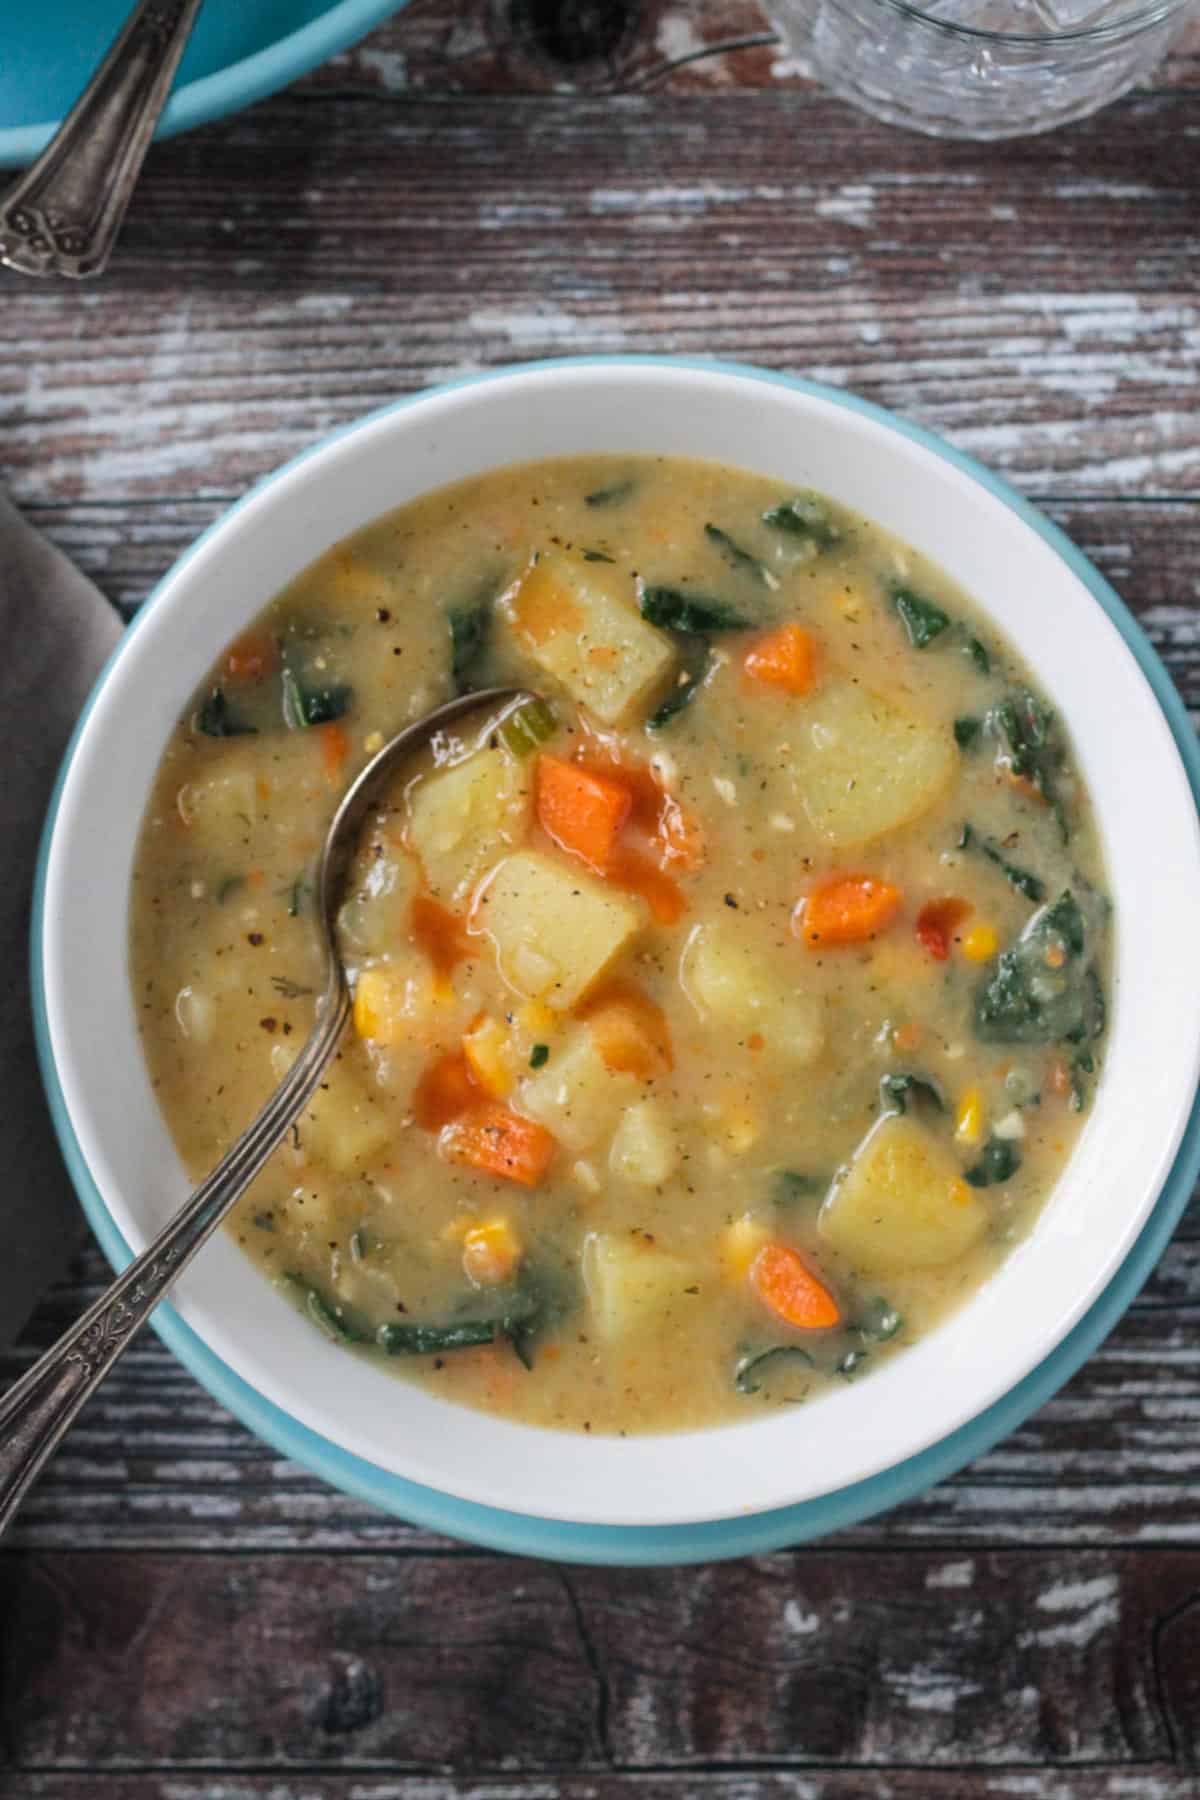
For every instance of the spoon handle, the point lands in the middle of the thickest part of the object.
(36, 1412)
(63, 216)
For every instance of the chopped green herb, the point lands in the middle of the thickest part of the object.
(611, 496)
(697, 659)
(328, 1320)
(804, 516)
(978, 654)
(756, 1366)
(470, 629)
(1032, 886)
(229, 885)
(307, 706)
(895, 1091)
(1043, 987)
(999, 1160)
(289, 989)
(531, 724)
(879, 1320)
(740, 559)
(539, 1056)
(598, 556)
(791, 1185)
(966, 732)
(265, 1221)
(1033, 748)
(429, 1340)
(852, 1360)
(297, 894)
(922, 620)
(214, 718)
(690, 613)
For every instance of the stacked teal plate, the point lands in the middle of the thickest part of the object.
(241, 50)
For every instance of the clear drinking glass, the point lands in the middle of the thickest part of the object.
(981, 68)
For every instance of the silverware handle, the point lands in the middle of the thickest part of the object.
(37, 1411)
(63, 216)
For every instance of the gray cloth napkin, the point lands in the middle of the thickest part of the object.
(57, 631)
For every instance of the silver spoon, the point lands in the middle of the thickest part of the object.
(37, 1411)
(64, 214)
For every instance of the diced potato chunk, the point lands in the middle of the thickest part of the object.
(221, 808)
(862, 767)
(576, 1096)
(630, 1284)
(727, 981)
(464, 817)
(374, 918)
(644, 1149)
(344, 1127)
(903, 1204)
(578, 622)
(555, 929)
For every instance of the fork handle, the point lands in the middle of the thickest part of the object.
(64, 214)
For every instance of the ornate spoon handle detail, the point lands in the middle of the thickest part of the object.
(63, 216)
(36, 1412)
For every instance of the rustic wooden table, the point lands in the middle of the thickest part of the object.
(182, 1614)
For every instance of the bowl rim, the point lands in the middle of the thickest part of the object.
(709, 1536)
(237, 84)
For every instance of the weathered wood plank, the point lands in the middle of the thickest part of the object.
(1145, 1782)
(864, 1658)
(677, 46)
(1114, 1459)
(1036, 302)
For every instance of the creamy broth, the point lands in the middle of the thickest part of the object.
(720, 1023)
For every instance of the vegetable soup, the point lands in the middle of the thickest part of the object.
(721, 1017)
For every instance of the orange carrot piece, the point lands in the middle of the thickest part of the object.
(937, 922)
(636, 873)
(784, 1282)
(335, 748)
(252, 656)
(629, 1030)
(499, 1142)
(442, 935)
(580, 809)
(785, 659)
(845, 909)
(446, 1091)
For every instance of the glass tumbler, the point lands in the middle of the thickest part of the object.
(981, 68)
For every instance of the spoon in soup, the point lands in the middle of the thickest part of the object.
(37, 1411)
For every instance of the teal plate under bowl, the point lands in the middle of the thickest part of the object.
(751, 1533)
(240, 51)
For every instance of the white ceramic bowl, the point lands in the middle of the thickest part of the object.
(986, 540)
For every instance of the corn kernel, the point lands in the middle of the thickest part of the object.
(980, 943)
(488, 1049)
(738, 1246)
(537, 1019)
(380, 1006)
(490, 1252)
(968, 1120)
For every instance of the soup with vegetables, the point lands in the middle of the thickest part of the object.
(721, 1016)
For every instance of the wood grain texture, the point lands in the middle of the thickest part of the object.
(479, 1663)
(185, 1615)
(328, 255)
